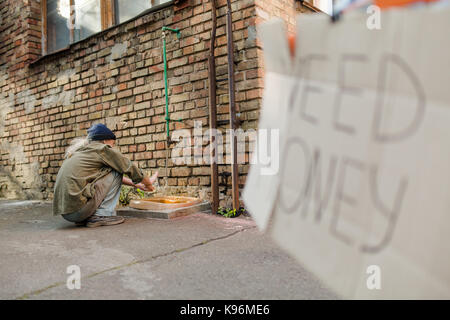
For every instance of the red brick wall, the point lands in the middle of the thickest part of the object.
(116, 77)
(284, 9)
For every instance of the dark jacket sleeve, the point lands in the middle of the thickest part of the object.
(121, 164)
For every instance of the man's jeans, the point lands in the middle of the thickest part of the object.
(107, 192)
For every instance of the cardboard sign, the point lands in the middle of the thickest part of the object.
(363, 188)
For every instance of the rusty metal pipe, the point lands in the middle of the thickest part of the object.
(231, 90)
(213, 112)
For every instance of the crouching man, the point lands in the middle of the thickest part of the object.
(88, 183)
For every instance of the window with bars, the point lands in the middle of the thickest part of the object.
(69, 21)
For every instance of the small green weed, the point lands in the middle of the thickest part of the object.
(230, 212)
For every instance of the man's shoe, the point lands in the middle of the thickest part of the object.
(98, 221)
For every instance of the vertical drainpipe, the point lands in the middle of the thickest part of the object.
(213, 113)
(234, 167)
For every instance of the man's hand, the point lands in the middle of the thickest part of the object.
(145, 185)
(148, 182)
(141, 186)
(154, 177)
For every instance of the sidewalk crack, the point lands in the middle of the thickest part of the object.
(57, 284)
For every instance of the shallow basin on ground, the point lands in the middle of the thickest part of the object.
(164, 203)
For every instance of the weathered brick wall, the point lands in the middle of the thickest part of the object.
(284, 9)
(116, 77)
(20, 43)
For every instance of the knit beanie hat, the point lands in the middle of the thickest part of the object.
(100, 132)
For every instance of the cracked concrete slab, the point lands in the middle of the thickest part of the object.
(199, 256)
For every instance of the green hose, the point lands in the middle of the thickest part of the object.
(166, 86)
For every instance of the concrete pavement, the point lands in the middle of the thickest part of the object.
(199, 256)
